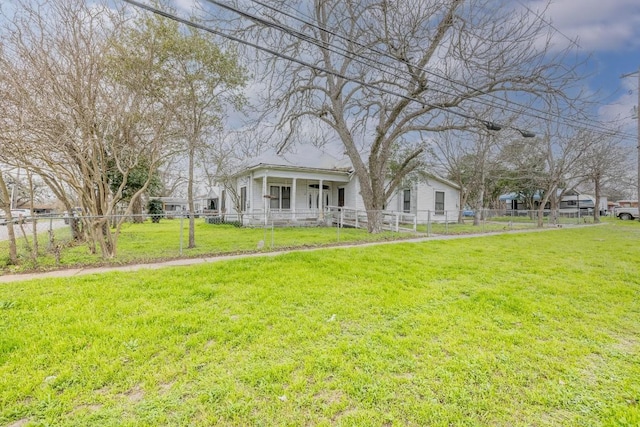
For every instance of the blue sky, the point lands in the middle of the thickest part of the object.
(606, 30)
(609, 31)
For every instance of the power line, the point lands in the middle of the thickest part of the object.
(302, 36)
(550, 25)
(490, 125)
(345, 52)
(545, 114)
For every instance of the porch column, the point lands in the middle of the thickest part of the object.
(321, 204)
(293, 198)
(250, 195)
(265, 200)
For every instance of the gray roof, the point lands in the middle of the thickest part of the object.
(306, 156)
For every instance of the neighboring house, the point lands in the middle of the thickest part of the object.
(628, 203)
(303, 186)
(208, 203)
(173, 205)
(570, 203)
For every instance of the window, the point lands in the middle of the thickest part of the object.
(340, 197)
(406, 201)
(243, 199)
(285, 198)
(274, 193)
(280, 197)
(439, 202)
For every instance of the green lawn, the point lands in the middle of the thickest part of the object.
(148, 242)
(537, 329)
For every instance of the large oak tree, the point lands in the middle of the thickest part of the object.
(383, 75)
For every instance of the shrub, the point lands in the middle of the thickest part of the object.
(154, 207)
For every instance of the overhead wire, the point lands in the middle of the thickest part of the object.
(544, 114)
(490, 125)
(343, 52)
(387, 55)
(351, 55)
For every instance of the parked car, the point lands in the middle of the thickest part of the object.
(16, 215)
(626, 213)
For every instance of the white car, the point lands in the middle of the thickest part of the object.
(16, 214)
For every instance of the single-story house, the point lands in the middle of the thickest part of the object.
(207, 203)
(570, 203)
(173, 205)
(306, 185)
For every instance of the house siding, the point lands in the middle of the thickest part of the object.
(307, 182)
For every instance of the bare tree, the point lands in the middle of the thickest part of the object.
(549, 164)
(602, 163)
(71, 121)
(382, 75)
(469, 159)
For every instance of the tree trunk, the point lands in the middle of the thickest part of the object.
(136, 210)
(596, 208)
(6, 206)
(374, 221)
(34, 221)
(543, 203)
(192, 225)
(463, 203)
(479, 202)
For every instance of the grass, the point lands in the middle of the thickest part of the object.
(149, 242)
(498, 224)
(506, 330)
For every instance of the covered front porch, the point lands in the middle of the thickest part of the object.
(289, 197)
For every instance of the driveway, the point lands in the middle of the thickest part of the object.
(44, 224)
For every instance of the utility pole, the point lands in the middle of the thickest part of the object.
(637, 109)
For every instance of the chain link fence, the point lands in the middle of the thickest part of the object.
(140, 239)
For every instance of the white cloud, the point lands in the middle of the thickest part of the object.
(622, 109)
(187, 5)
(611, 25)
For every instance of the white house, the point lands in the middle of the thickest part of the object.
(305, 185)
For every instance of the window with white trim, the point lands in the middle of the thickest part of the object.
(243, 199)
(406, 201)
(279, 197)
(440, 202)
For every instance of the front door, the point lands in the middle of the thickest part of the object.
(314, 200)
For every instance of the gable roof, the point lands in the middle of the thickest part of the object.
(426, 176)
(307, 157)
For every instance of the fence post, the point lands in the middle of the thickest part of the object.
(181, 232)
(415, 223)
(356, 218)
(428, 223)
(397, 222)
(446, 223)
(578, 213)
(483, 218)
